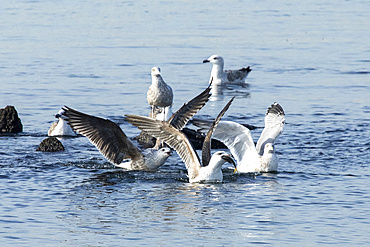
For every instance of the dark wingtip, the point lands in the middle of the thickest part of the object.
(248, 69)
(275, 109)
(210, 83)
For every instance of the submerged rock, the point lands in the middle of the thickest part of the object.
(145, 140)
(50, 144)
(197, 140)
(9, 120)
(194, 137)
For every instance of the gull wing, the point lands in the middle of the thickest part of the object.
(172, 136)
(180, 118)
(236, 137)
(274, 125)
(238, 75)
(106, 135)
(206, 148)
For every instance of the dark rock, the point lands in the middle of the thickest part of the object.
(194, 137)
(50, 144)
(145, 140)
(9, 120)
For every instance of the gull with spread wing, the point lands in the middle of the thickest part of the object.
(250, 158)
(210, 169)
(113, 143)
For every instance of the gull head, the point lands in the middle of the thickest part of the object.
(221, 157)
(156, 71)
(60, 114)
(214, 59)
(269, 148)
(164, 153)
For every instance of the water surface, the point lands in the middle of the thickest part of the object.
(312, 58)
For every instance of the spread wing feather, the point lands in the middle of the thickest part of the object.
(180, 118)
(236, 137)
(206, 148)
(106, 135)
(170, 135)
(274, 125)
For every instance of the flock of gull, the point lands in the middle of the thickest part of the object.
(167, 127)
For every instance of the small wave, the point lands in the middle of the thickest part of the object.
(91, 76)
(355, 72)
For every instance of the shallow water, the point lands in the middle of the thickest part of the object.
(312, 58)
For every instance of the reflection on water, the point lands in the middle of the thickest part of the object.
(220, 91)
(173, 207)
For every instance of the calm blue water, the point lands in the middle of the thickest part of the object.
(311, 57)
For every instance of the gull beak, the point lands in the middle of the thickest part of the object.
(57, 116)
(206, 61)
(229, 159)
(169, 153)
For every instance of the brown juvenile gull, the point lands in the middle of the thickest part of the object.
(113, 143)
(160, 95)
(61, 127)
(221, 76)
(251, 158)
(211, 169)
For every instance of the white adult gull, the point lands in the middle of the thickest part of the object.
(160, 95)
(221, 76)
(113, 143)
(210, 170)
(238, 139)
(61, 127)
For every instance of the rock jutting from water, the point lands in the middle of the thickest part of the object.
(50, 144)
(9, 120)
(194, 137)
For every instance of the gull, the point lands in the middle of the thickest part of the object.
(113, 143)
(222, 76)
(238, 139)
(61, 127)
(160, 95)
(210, 171)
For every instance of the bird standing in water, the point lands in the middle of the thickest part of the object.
(160, 95)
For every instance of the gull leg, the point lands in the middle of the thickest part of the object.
(152, 111)
(164, 114)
